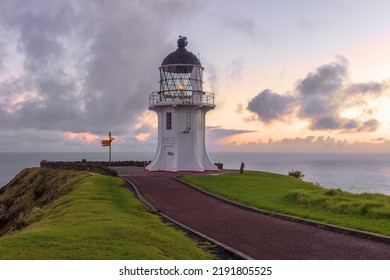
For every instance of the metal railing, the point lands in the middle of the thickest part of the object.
(178, 97)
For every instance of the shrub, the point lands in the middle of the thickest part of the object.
(333, 192)
(299, 197)
(297, 174)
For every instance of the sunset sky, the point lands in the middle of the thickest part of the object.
(303, 76)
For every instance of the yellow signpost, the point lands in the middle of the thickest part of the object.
(107, 143)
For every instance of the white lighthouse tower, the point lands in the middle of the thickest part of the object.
(181, 106)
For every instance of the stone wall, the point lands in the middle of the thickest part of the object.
(93, 166)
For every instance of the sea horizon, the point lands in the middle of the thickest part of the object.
(357, 173)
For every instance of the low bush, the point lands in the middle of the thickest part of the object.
(297, 174)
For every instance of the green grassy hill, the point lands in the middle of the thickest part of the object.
(291, 196)
(54, 214)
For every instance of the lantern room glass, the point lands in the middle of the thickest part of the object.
(181, 80)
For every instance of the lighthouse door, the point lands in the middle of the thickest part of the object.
(168, 158)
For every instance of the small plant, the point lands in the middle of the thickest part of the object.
(332, 192)
(297, 174)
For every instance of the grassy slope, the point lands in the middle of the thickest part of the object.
(99, 219)
(22, 200)
(288, 195)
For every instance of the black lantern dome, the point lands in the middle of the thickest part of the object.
(181, 55)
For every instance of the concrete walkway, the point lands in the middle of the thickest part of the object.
(256, 235)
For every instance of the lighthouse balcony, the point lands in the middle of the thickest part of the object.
(177, 97)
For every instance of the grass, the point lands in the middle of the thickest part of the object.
(291, 196)
(98, 219)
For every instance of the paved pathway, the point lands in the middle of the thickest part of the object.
(257, 235)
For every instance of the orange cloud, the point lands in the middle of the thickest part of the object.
(143, 136)
(146, 118)
(145, 124)
(84, 137)
(11, 103)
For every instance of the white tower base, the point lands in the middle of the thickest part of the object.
(181, 139)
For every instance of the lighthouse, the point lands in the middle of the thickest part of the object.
(181, 106)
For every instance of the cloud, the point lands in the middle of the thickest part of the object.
(325, 94)
(82, 137)
(212, 77)
(247, 26)
(368, 126)
(321, 98)
(326, 123)
(87, 66)
(325, 80)
(2, 55)
(239, 108)
(310, 144)
(236, 68)
(269, 106)
(317, 94)
(23, 140)
(308, 141)
(219, 132)
(369, 87)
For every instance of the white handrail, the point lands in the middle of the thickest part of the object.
(178, 97)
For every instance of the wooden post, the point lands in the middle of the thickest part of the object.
(242, 168)
(109, 157)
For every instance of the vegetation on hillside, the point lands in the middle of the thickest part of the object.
(297, 174)
(22, 199)
(98, 218)
(292, 196)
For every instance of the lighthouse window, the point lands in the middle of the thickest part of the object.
(169, 121)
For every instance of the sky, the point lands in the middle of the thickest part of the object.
(288, 76)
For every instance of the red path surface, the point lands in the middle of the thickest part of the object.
(256, 235)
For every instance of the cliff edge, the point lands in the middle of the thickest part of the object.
(23, 199)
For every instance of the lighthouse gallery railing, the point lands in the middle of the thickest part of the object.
(178, 97)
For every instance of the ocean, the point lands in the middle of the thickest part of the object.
(357, 173)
